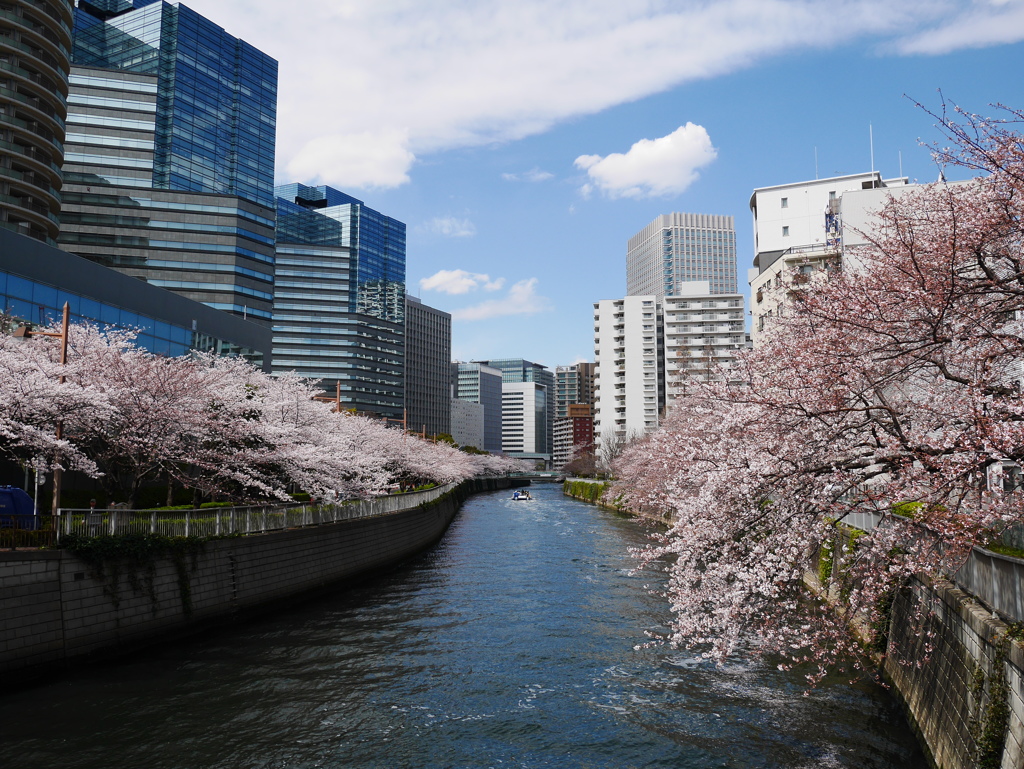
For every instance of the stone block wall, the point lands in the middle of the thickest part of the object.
(949, 659)
(54, 607)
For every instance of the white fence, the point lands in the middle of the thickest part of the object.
(219, 521)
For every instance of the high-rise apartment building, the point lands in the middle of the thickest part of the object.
(573, 384)
(680, 248)
(428, 367)
(574, 435)
(169, 154)
(339, 313)
(799, 231)
(703, 333)
(35, 37)
(629, 382)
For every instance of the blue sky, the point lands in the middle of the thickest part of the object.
(492, 128)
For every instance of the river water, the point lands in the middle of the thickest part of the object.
(510, 644)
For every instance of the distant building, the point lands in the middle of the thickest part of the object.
(477, 383)
(574, 435)
(680, 248)
(524, 408)
(573, 384)
(169, 153)
(519, 370)
(467, 422)
(428, 368)
(799, 231)
(339, 313)
(629, 381)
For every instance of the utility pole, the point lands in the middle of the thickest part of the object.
(25, 331)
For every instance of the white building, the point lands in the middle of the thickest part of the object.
(524, 419)
(703, 333)
(799, 231)
(629, 379)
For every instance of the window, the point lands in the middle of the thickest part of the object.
(785, 202)
(785, 232)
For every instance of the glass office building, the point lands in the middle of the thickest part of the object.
(339, 308)
(216, 95)
(169, 154)
(36, 280)
(676, 249)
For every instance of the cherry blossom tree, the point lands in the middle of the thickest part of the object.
(890, 388)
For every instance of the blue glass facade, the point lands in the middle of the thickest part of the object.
(36, 281)
(216, 113)
(339, 305)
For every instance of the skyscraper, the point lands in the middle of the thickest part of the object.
(428, 367)
(339, 310)
(680, 248)
(169, 156)
(34, 42)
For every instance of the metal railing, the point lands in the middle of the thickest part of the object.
(24, 531)
(222, 521)
(994, 579)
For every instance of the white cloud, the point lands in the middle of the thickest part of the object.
(984, 23)
(367, 87)
(522, 299)
(652, 167)
(533, 175)
(450, 227)
(460, 282)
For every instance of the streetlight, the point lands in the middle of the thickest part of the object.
(26, 332)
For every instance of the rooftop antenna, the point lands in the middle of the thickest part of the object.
(816, 163)
(901, 163)
(871, 142)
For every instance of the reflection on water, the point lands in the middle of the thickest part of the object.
(511, 644)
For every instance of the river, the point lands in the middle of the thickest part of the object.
(513, 643)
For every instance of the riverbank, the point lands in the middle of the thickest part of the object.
(597, 493)
(56, 607)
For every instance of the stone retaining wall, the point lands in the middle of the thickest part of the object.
(970, 664)
(54, 607)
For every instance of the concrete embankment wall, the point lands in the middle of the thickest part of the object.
(967, 700)
(54, 607)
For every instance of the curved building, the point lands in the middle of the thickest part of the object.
(35, 41)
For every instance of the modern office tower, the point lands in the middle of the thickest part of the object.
(678, 248)
(703, 333)
(339, 312)
(428, 368)
(629, 381)
(524, 410)
(35, 37)
(37, 279)
(516, 370)
(573, 384)
(574, 435)
(801, 229)
(169, 156)
(477, 383)
(467, 423)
